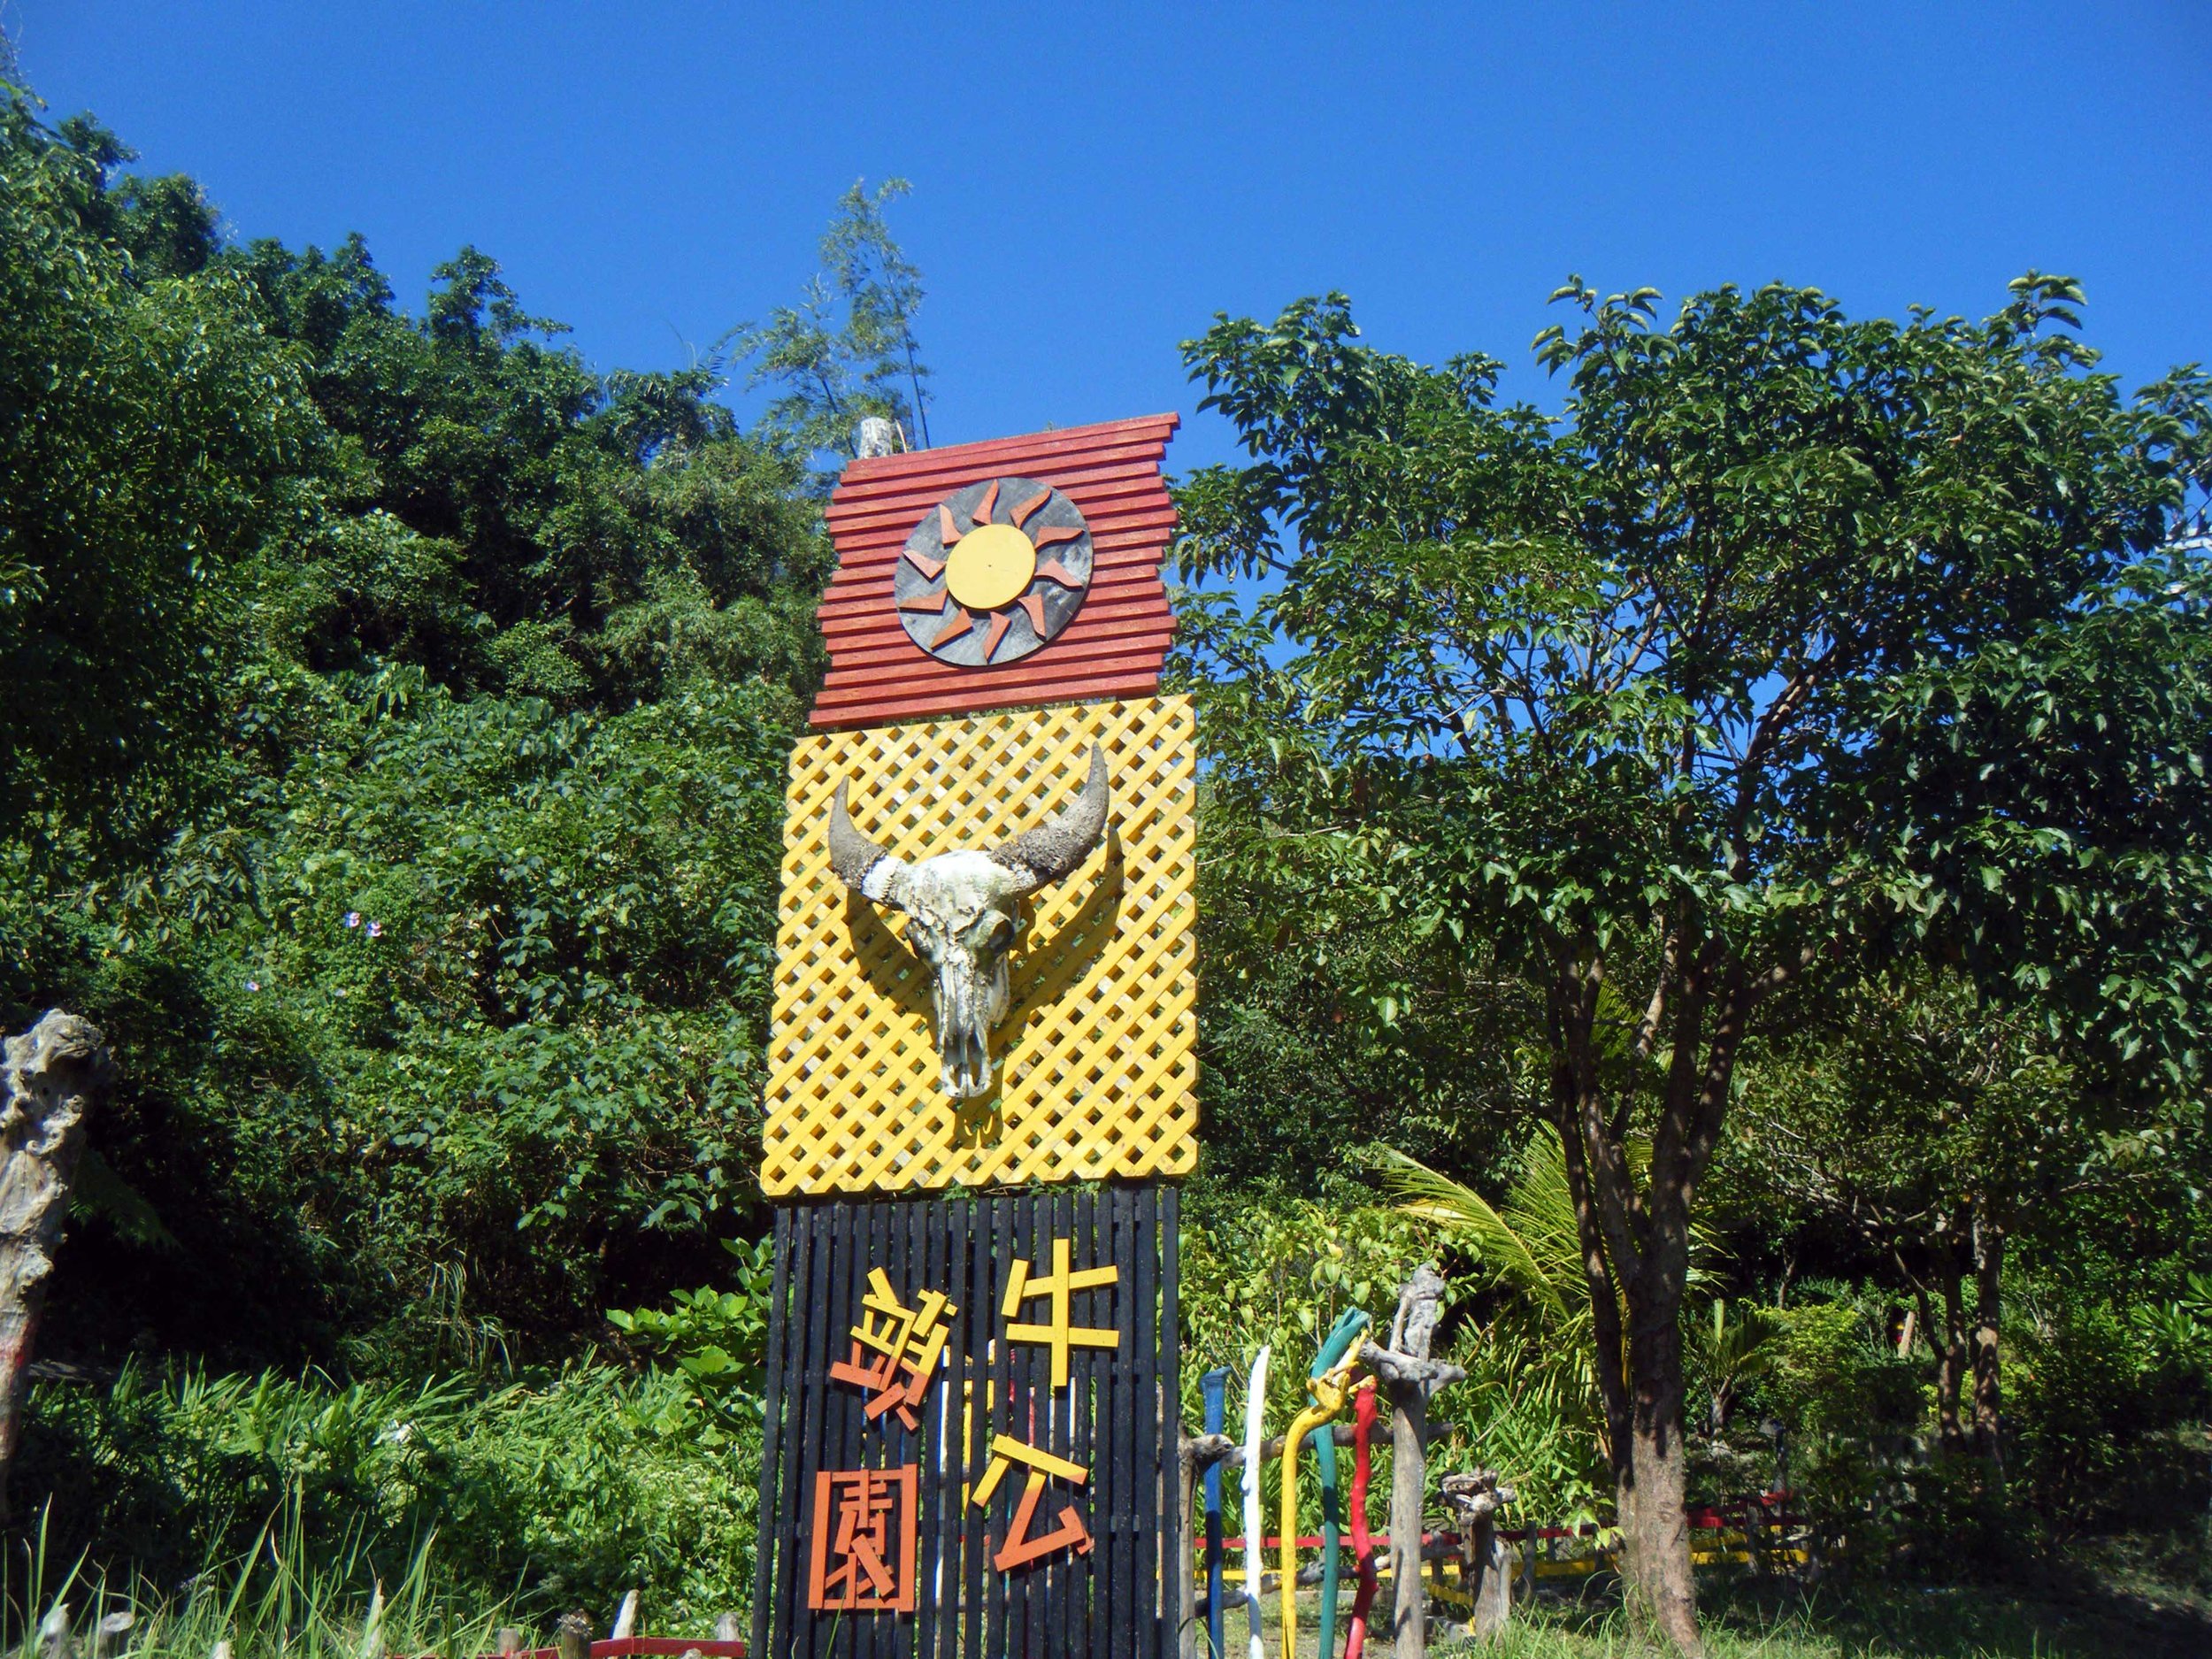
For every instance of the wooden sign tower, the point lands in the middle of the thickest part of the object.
(981, 1087)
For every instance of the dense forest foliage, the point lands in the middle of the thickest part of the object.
(391, 763)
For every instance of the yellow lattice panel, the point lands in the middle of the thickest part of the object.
(1097, 1066)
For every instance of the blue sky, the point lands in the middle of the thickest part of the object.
(1091, 184)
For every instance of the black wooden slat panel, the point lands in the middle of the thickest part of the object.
(1118, 1418)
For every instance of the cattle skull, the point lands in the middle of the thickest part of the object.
(961, 914)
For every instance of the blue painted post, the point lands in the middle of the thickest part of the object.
(1215, 1383)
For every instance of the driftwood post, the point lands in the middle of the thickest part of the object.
(50, 1078)
(1409, 1377)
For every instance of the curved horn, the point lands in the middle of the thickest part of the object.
(1052, 851)
(859, 862)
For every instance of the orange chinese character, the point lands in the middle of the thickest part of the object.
(1020, 1547)
(903, 1339)
(1059, 1285)
(864, 1541)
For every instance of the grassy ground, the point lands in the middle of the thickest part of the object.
(2111, 1609)
(2118, 1599)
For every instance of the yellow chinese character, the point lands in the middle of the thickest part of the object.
(1058, 1335)
(1020, 1547)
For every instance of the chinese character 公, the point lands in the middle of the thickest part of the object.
(1020, 1547)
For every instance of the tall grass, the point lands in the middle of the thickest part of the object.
(291, 1493)
(281, 1597)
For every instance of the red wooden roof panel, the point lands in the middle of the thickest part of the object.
(1115, 643)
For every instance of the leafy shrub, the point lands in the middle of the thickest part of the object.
(563, 1493)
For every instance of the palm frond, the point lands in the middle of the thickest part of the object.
(1493, 1241)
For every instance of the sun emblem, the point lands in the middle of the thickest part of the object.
(995, 573)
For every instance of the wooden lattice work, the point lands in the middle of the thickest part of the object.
(1097, 1066)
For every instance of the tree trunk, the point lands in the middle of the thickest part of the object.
(1656, 1565)
(1408, 1478)
(1408, 1376)
(1989, 1260)
(50, 1080)
(1486, 1565)
(1946, 1334)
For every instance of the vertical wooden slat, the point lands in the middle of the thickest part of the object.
(925, 1271)
(1044, 1574)
(839, 1639)
(1124, 1613)
(1021, 1635)
(765, 1533)
(983, 1289)
(864, 1445)
(1091, 1440)
(937, 1640)
(820, 1222)
(885, 1440)
(832, 1225)
(994, 1420)
(1145, 1431)
(1069, 1569)
(1176, 1549)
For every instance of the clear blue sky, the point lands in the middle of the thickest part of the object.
(1093, 182)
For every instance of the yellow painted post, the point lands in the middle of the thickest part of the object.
(1328, 1400)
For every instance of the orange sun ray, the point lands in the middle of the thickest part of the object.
(958, 624)
(930, 602)
(928, 566)
(1022, 512)
(947, 531)
(1058, 572)
(982, 514)
(1000, 621)
(1053, 532)
(1034, 604)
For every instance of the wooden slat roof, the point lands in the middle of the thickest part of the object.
(1113, 647)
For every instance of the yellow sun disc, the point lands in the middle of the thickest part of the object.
(990, 566)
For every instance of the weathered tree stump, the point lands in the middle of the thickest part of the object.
(50, 1080)
(1485, 1563)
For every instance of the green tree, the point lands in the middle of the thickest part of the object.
(514, 523)
(1934, 1129)
(1795, 643)
(154, 439)
(392, 765)
(848, 349)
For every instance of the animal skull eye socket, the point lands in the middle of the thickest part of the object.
(992, 929)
